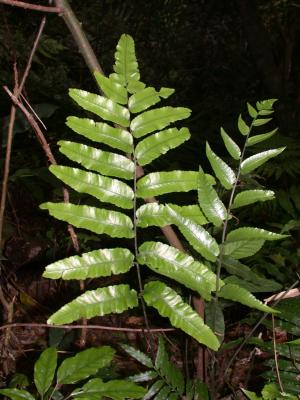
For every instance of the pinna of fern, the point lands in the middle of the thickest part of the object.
(138, 132)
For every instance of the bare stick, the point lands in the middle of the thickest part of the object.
(283, 295)
(33, 124)
(79, 36)
(29, 6)
(275, 355)
(96, 327)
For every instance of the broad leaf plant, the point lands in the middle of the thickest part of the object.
(128, 121)
(53, 381)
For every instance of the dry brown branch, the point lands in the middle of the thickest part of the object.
(47, 150)
(96, 327)
(283, 295)
(29, 6)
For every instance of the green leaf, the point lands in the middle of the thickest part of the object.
(126, 66)
(249, 233)
(261, 121)
(242, 248)
(101, 106)
(168, 370)
(155, 120)
(289, 310)
(251, 110)
(252, 286)
(242, 126)
(44, 370)
(164, 394)
(96, 303)
(196, 235)
(270, 392)
(94, 219)
(283, 326)
(17, 394)
(19, 380)
(138, 355)
(265, 112)
(260, 138)
(209, 201)
(234, 267)
(222, 171)
(154, 214)
(143, 376)
(165, 92)
(251, 395)
(94, 264)
(170, 304)
(190, 389)
(155, 388)
(232, 148)
(252, 196)
(233, 292)
(201, 391)
(259, 159)
(214, 318)
(146, 98)
(170, 262)
(95, 389)
(111, 89)
(104, 162)
(265, 104)
(102, 133)
(159, 143)
(105, 189)
(157, 183)
(193, 212)
(294, 342)
(84, 364)
(134, 86)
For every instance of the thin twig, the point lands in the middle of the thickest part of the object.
(283, 295)
(79, 326)
(275, 356)
(47, 151)
(33, 124)
(29, 6)
(17, 91)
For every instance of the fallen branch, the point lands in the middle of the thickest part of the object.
(29, 6)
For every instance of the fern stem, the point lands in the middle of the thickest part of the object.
(138, 270)
(225, 226)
